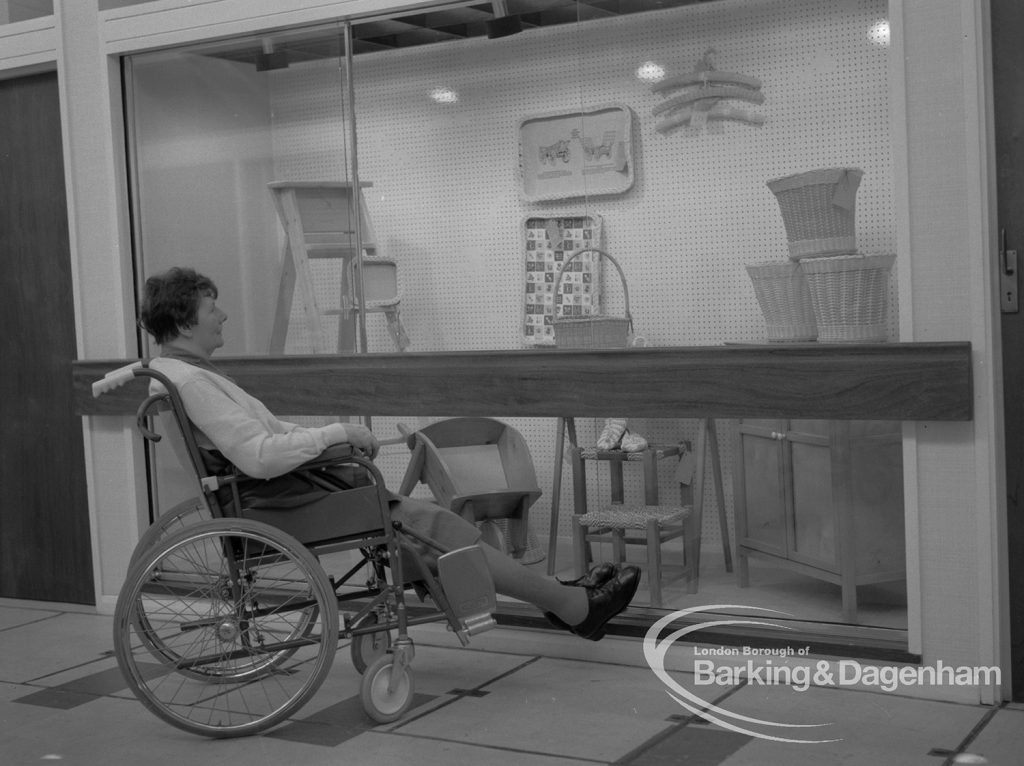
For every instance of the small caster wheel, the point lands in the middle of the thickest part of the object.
(369, 647)
(380, 703)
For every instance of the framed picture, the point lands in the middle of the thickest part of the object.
(588, 153)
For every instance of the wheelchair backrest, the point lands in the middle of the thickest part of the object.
(165, 407)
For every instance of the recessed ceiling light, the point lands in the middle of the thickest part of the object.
(443, 95)
(649, 71)
(879, 32)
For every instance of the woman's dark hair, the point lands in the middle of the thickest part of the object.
(170, 301)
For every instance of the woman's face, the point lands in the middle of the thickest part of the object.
(206, 332)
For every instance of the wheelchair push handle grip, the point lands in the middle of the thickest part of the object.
(115, 379)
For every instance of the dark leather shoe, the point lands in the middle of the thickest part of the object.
(595, 578)
(607, 601)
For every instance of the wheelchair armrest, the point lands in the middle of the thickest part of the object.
(344, 454)
(224, 474)
(336, 453)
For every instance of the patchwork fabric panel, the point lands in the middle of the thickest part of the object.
(549, 243)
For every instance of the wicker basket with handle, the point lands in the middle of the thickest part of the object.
(592, 331)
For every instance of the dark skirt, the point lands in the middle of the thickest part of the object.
(302, 487)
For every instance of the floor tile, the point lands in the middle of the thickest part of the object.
(1001, 741)
(108, 731)
(98, 676)
(395, 749)
(334, 725)
(878, 728)
(571, 709)
(56, 644)
(13, 617)
(693, 745)
(436, 672)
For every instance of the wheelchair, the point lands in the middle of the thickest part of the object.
(227, 622)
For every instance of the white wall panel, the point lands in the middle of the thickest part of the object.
(446, 198)
(447, 203)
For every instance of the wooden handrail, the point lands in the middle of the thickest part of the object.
(884, 381)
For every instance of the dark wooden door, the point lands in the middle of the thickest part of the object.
(45, 549)
(1007, 66)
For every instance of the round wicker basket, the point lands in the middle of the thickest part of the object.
(785, 300)
(850, 295)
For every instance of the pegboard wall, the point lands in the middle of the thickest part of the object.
(446, 200)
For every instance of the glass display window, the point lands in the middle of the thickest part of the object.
(415, 182)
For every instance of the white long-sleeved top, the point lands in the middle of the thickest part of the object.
(241, 427)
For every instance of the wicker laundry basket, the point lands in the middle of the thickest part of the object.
(592, 331)
(850, 295)
(785, 300)
(818, 209)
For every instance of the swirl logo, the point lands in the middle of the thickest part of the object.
(655, 651)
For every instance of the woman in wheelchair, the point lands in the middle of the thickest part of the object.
(179, 310)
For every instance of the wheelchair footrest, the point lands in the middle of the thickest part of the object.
(478, 623)
(468, 587)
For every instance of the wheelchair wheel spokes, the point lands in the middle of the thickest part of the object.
(226, 627)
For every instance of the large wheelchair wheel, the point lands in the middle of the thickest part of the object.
(185, 515)
(226, 627)
(181, 516)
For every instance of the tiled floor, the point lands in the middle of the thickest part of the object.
(513, 697)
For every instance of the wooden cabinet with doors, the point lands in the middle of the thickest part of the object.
(824, 498)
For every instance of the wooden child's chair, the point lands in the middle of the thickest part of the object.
(479, 468)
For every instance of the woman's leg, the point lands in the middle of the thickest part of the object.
(583, 610)
(513, 579)
(510, 577)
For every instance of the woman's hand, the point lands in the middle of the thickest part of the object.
(362, 438)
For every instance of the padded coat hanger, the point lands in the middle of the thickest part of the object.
(701, 103)
(706, 78)
(685, 116)
(718, 92)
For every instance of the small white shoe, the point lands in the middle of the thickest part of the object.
(632, 442)
(612, 433)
